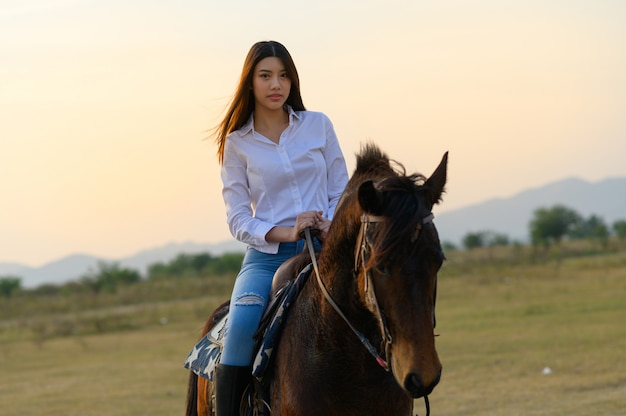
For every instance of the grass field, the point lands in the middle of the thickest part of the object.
(502, 326)
(501, 329)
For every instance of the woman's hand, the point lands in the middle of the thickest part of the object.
(307, 219)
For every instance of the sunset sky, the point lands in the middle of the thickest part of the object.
(105, 105)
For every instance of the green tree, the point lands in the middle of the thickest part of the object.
(109, 276)
(473, 240)
(587, 228)
(494, 239)
(484, 239)
(157, 271)
(593, 228)
(188, 265)
(227, 263)
(200, 262)
(196, 265)
(9, 285)
(448, 246)
(549, 225)
(619, 227)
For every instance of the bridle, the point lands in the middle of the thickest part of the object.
(360, 259)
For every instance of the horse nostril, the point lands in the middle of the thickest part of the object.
(415, 386)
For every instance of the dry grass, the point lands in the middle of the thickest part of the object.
(500, 326)
(499, 331)
(127, 372)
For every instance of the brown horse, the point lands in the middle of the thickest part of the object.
(376, 287)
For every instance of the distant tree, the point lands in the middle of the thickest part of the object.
(593, 228)
(109, 276)
(494, 239)
(46, 289)
(182, 265)
(196, 265)
(227, 263)
(587, 228)
(448, 246)
(9, 285)
(157, 271)
(619, 227)
(473, 240)
(601, 234)
(199, 262)
(189, 265)
(484, 239)
(550, 225)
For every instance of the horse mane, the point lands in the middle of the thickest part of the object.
(402, 201)
(373, 163)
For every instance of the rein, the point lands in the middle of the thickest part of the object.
(329, 298)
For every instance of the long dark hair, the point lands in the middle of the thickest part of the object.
(242, 104)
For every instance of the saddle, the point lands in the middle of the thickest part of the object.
(287, 283)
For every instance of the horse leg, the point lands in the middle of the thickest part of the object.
(204, 405)
(200, 390)
(199, 394)
(192, 395)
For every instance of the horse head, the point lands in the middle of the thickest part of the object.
(397, 257)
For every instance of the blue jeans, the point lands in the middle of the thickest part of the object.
(249, 299)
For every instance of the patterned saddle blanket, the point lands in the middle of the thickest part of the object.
(206, 353)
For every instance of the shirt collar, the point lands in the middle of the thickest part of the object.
(249, 126)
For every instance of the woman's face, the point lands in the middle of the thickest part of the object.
(270, 84)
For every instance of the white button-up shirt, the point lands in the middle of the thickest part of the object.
(267, 184)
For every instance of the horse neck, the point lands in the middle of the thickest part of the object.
(336, 266)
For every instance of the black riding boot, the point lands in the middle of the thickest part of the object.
(230, 383)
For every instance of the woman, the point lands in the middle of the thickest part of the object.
(282, 170)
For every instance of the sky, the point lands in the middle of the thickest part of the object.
(106, 107)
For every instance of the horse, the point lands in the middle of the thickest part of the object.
(359, 339)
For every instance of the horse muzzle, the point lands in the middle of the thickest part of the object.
(418, 375)
(417, 387)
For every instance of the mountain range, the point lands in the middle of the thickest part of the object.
(508, 216)
(74, 266)
(511, 216)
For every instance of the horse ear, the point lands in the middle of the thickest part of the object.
(370, 199)
(437, 181)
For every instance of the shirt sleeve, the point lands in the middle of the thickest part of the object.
(336, 169)
(235, 191)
